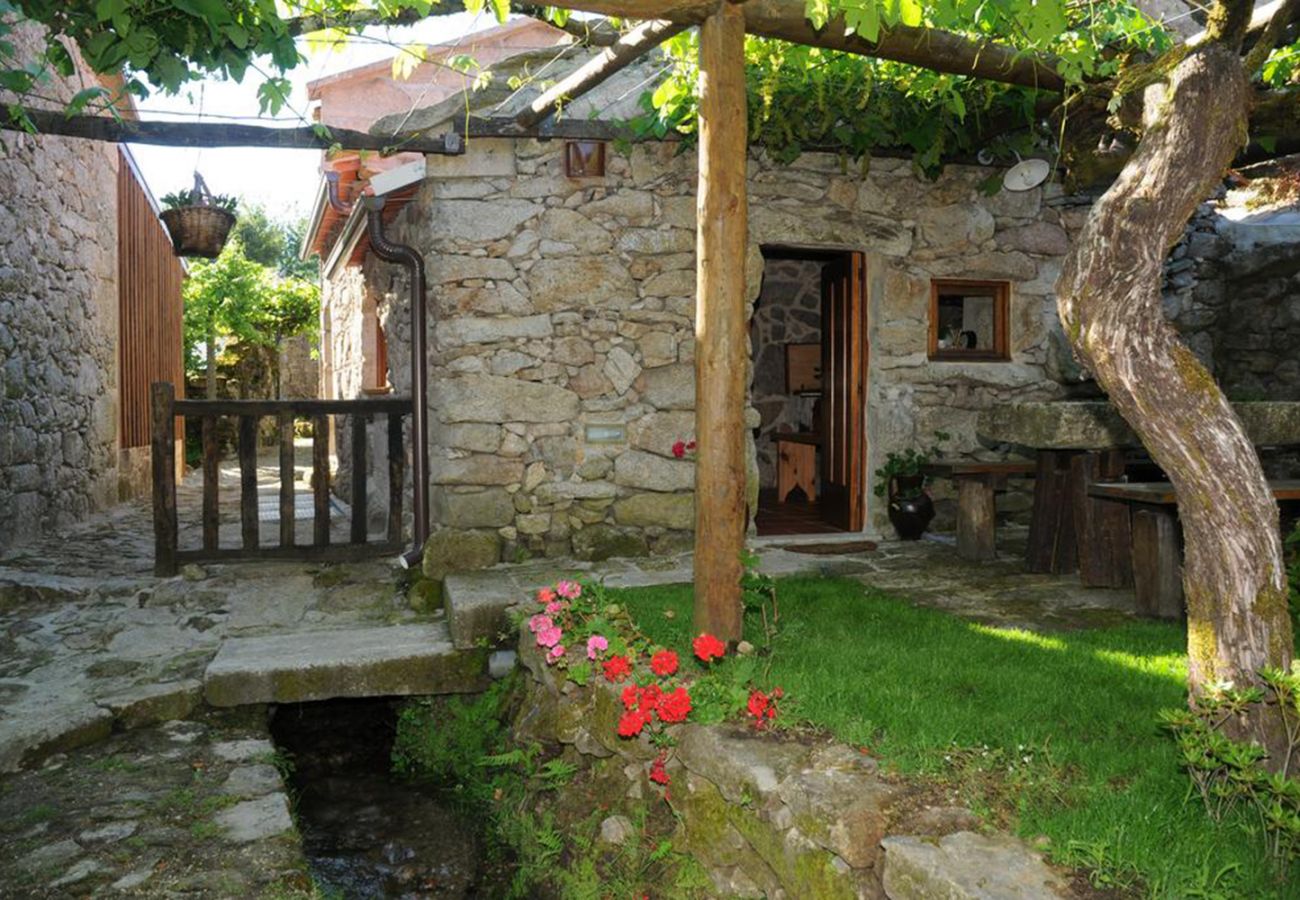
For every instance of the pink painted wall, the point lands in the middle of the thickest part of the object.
(358, 98)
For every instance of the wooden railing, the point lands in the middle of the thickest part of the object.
(166, 409)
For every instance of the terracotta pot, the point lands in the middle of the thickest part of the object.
(910, 508)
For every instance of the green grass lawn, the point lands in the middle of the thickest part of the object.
(1052, 734)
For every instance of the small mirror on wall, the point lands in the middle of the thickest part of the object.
(803, 368)
(968, 320)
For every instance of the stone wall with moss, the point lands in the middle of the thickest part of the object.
(58, 326)
(775, 814)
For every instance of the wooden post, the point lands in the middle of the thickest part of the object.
(287, 479)
(396, 471)
(976, 518)
(1052, 546)
(360, 465)
(721, 346)
(211, 479)
(1101, 526)
(248, 512)
(320, 479)
(163, 452)
(1157, 562)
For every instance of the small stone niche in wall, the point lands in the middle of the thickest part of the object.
(969, 320)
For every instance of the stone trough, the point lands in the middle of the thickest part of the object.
(1096, 425)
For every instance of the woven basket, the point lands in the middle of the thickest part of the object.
(198, 230)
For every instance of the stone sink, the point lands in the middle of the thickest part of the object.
(1095, 425)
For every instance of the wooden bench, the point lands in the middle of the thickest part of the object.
(1156, 543)
(977, 484)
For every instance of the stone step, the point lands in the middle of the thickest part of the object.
(381, 661)
(477, 606)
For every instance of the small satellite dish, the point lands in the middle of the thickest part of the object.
(1026, 174)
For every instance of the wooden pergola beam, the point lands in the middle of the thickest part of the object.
(218, 134)
(628, 48)
(720, 340)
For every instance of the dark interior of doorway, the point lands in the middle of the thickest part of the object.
(787, 336)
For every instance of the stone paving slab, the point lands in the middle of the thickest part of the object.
(967, 866)
(148, 813)
(361, 662)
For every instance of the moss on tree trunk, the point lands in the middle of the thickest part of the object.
(1109, 296)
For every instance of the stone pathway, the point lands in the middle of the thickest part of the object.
(194, 808)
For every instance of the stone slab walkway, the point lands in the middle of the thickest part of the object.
(193, 809)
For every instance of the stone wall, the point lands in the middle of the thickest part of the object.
(788, 311)
(770, 815)
(562, 305)
(58, 328)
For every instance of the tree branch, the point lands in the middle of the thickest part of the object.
(630, 47)
(928, 48)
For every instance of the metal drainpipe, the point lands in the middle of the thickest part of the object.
(411, 258)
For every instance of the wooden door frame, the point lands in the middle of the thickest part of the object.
(776, 250)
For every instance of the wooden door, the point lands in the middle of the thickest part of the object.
(844, 391)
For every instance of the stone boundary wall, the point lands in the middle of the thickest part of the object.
(559, 305)
(771, 815)
(58, 327)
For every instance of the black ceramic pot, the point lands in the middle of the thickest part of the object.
(910, 508)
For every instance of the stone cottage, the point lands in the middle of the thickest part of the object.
(90, 315)
(561, 284)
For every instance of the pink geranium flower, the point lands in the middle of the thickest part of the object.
(596, 645)
(549, 637)
(538, 622)
(556, 606)
(569, 590)
(556, 652)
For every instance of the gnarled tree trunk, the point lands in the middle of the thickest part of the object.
(1110, 305)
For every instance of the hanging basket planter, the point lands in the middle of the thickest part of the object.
(198, 222)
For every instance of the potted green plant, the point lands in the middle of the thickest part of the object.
(902, 479)
(198, 220)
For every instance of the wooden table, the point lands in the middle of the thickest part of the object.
(1155, 548)
(977, 484)
(796, 463)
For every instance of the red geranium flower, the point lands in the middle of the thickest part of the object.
(657, 773)
(679, 449)
(651, 696)
(631, 697)
(617, 668)
(674, 707)
(709, 648)
(631, 723)
(664, 663)
(762, 707)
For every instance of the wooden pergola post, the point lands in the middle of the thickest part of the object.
(720, 342)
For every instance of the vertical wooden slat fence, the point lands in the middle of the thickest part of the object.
(149, 305)
(359, 414)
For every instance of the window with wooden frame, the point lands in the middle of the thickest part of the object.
(969, 320)
(374, 350)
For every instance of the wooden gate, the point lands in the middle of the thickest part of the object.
(247, 413)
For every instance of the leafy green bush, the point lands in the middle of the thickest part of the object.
(1230, 775)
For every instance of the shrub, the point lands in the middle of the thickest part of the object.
(1231, 775)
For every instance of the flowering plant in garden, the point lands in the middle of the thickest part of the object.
(583, 635)
(682, 448)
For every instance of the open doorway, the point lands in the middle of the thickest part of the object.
(809, 387)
